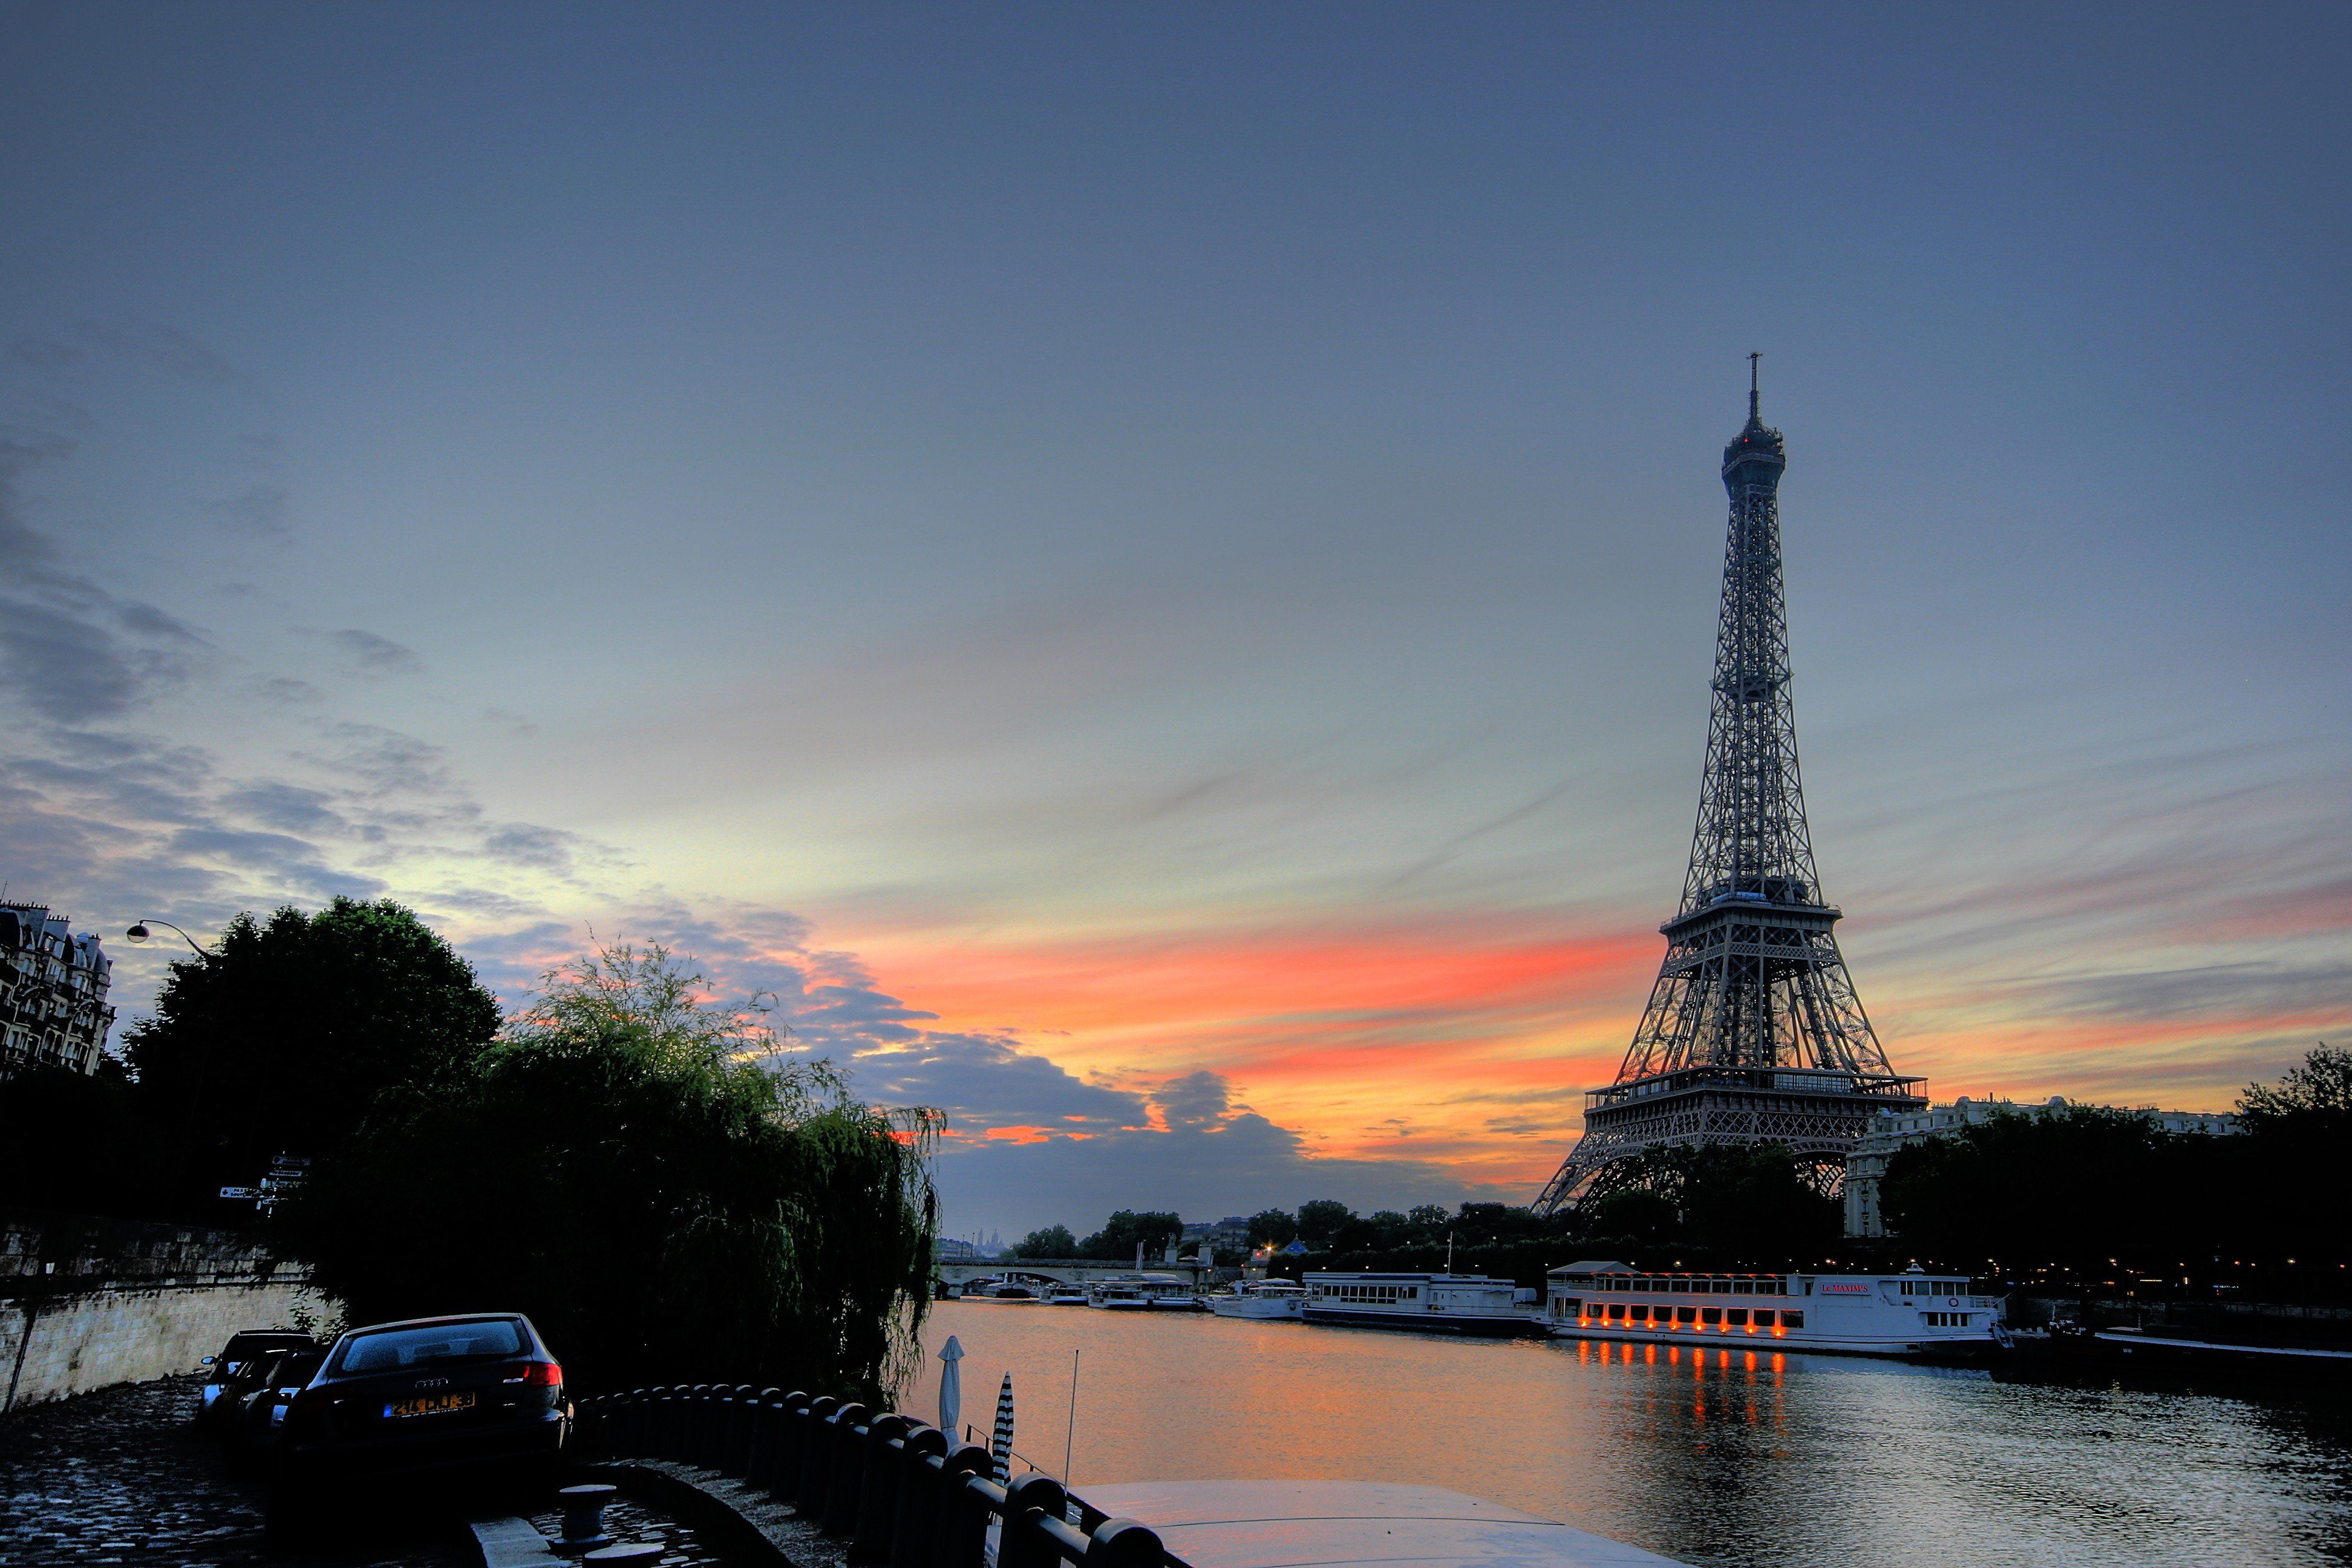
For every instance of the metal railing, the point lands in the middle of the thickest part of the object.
(898, 1491)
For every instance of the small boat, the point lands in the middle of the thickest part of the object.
(998, 1290)
(1912, 1314)
(1427, 1303)
(1268, 1298)
(1065, 1296)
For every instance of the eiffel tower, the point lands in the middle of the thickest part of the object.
(1753, 1034)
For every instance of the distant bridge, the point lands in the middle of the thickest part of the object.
(1063, 1270)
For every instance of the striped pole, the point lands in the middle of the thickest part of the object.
(1000, 1447)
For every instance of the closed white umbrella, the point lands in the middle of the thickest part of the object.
(1001, 1446)
(951, 1387)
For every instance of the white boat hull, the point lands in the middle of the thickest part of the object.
(1270, 1309)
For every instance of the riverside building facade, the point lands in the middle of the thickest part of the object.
(53, 986)
(1865, 1164)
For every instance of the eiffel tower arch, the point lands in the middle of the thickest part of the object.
(1754, 1033)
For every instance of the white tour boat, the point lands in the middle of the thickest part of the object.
(1171, 1293)
(1065, 1296)
(1121, 1294)
(1267, 1298)
(1909, 1314)
(1427, 1303)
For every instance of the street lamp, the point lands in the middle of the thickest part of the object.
(139, 933)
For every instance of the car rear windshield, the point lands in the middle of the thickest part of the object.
(395, 1348)
(249, 1343)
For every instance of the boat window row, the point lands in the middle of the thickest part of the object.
(1658, 1314)
(1686, 1284)
(1369, 1292)
(1934, 1287)
(1947, 1319)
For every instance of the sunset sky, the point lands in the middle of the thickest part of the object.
(1151, 572)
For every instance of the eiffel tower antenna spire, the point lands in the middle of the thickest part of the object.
(1754, 1033)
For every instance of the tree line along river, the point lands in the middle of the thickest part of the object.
(1719, 1456)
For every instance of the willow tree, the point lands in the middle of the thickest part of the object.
(669, 1196)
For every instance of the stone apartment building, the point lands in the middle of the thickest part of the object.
(53, 986)
(1865, 1164)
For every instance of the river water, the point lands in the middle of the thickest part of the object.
(1717, 1458)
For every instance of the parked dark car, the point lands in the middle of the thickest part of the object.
(249, 1432)
(229, 1377)
(480, 1394)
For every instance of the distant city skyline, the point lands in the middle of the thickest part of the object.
(1150, 575)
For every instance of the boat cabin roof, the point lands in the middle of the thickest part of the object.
(1582, 1271)
(1372, 1278)
(1343, 1524)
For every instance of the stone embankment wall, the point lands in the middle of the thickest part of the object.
(89, 1302)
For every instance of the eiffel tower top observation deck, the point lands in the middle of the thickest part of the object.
(1753, 1033)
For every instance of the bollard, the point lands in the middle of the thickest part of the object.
(919, 1494)
(735, 1445)
(718, 1415)
(878, 1490)
(816, 1455)
(792, 1442)
(1028, 1502)
(697, 1423)
(632, 1442)
(848, 1472)
(645, 1409)
(584, 1518)
(665, 1424)
(760, 1456)
(647, 1403)
(1124, 1543)
(960, 1512)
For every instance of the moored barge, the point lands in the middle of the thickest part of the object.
(1913, 1313)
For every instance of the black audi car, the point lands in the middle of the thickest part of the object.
(480, 1394)
(230, 1376)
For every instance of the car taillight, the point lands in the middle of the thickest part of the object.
(543, 1374)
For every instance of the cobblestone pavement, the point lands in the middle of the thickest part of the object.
(627, 1520)
(121, 1476)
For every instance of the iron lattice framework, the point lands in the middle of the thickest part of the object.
(1754, 1033)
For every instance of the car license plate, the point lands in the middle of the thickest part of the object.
(427, 1404)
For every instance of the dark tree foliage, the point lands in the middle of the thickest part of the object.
(1497, 1239)
(1054, 1241)
(280, 1041)
(1122, 1232)
(2069, 1188)
(667, 1199)
(1729, 1204)
(2082, 1188)
(1273, 1228)
(1319, 1222)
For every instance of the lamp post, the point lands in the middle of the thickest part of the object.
(139, 933)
